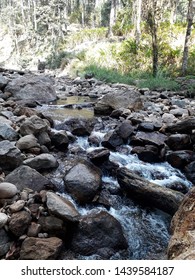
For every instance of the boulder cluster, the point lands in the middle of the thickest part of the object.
(37, 222)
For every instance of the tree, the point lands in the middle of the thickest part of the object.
(190, 16)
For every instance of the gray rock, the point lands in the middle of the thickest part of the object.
(8, 133)
(32, 87)
(3, 82)
(83, 181)
(4, 120)
(27, 142)
(27, 177)
(61, 207)
(7, 190)
(40, 248)
(178, 142)
(42, 161)
(60, 139)
(3, 219)
(149, 138)
(10, 156)
(4, 242)
(34, 125)
(17, 206)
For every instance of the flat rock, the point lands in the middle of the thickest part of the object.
(42, 161)
(40, 248)
(61, 207)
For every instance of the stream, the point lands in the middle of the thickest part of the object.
(145, 228)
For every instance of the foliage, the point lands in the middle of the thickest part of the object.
(155, 83)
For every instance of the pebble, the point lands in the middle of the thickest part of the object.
(7, 190)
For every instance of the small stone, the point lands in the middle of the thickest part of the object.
(3, 219)
(7, 190)
(34, 229)
(17, 206)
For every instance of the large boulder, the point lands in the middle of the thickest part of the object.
(32, 87)
(149, 193)
(27, 177)
(83, 181)
(40, 248)
(10, 156)
(182, 242)
(128, 99)
(98, 233)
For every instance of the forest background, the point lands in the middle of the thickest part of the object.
(144, 42)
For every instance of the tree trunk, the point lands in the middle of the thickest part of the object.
(190, 16)
(138, 21)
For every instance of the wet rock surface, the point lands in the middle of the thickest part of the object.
(58, 176)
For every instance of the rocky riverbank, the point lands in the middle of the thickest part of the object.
(36, 220)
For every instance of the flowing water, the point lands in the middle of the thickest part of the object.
(145, 228)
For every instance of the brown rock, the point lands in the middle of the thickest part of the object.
(19, 223)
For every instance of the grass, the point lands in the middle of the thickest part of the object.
(142, 80)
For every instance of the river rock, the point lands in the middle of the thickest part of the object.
(40, 248)
(7, 132)
(149, 193)
(3, 219)
(32, 87)
(61, 207)
(19, 222)
(4, 242)
(178, 142)
(112, 140)
(190, 171)
(83, 181)
(128, 99)
(98, 155)
(125, 130)
(4, 120)
(3, 82)
(7, 190)
(148, 153)
(27, 142)
(17, 206)
(10, 156)
(98, 232)
(52, 225)
(179, 159)
(34, 229)
(27, 177)
(34, 125)
(59, 139)
(42, 161)
(149, 138)
(182, 242)
(185, 126)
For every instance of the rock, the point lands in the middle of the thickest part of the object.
(4, 242)
(19, 222)
(10, 156)
(127, 99)
(34, 229)
(44, 139)
(185, 126)
(97, 231)
(41, 162)
(4, 120)
(60, 140)
(8, 133)
(3, 219)
(27, 177)
(148, 153)
(3, 82)
(190, 171)
(112, 140)
(53, 225)
(179, 159)
(32, 87)
(178, 142)
(179, 112)
(148, 193)
(27, 142)
(149, 138)
(146, 126)
(7, 190)
(98, 155)
(83, 181)
(34, 125)
(40, 248)
(182, 242)
(61, 207)
(79, 126)
(125, 130)
(17, 206)
(168, 118)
